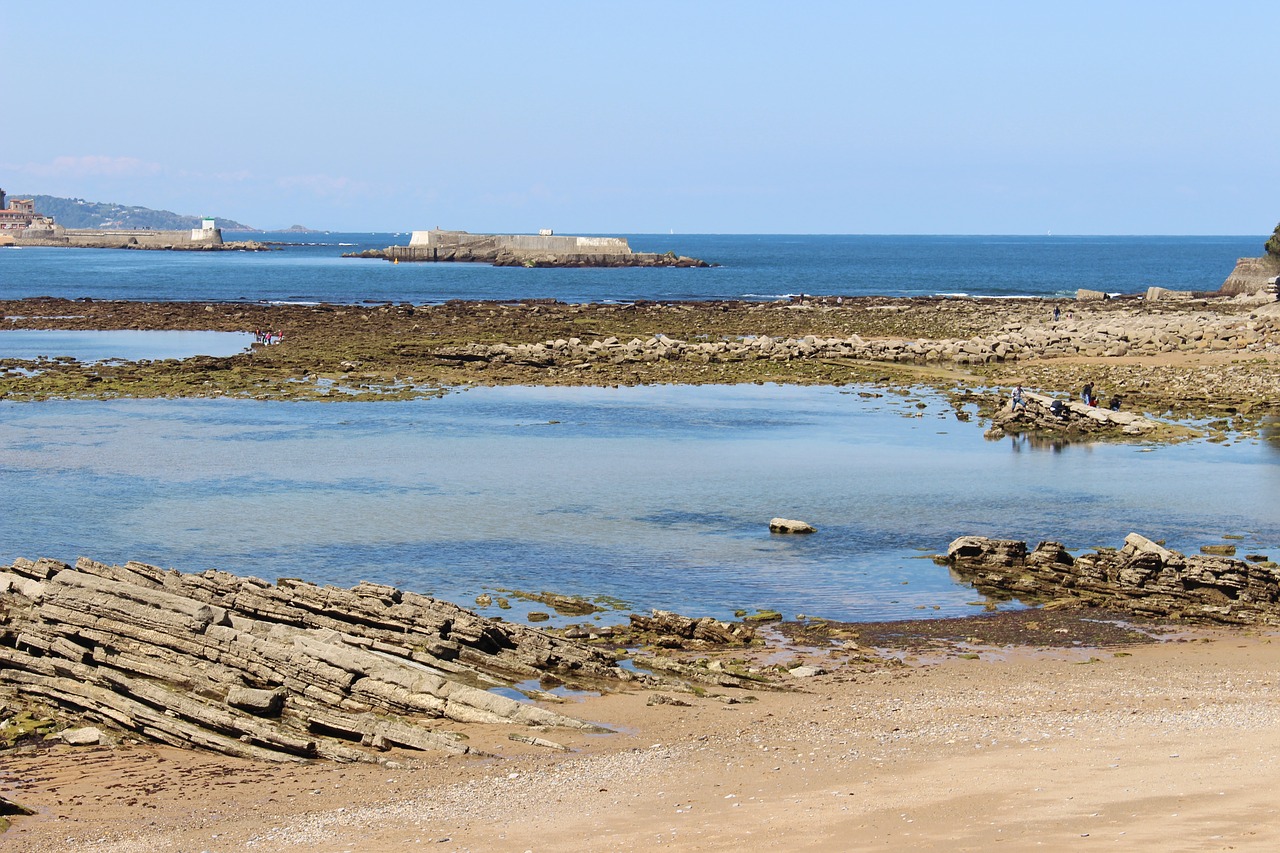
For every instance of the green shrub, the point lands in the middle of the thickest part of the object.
(1273, 245)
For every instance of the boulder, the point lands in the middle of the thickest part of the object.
(87, 736)
(789, 525)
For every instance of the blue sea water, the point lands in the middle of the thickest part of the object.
(758, 267)
(658, 495)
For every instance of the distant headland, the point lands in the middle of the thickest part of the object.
(24, 223)
(544, 249)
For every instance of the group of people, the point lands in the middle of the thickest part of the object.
(266, 336)
(1056, 407)
(1091, 399)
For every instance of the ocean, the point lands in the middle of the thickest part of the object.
(755, 267)
(659, 496)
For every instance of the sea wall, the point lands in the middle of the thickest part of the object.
(524, 250)
(1142, 578)
(568, 245)
(95, 238)
(1253, 275)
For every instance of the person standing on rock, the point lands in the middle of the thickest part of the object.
(1057, 312)
(1019, 402)
(1087, 394)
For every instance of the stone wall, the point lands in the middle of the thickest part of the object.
(521, 243)
(95, 238)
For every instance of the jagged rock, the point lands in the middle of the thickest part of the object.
(1141, 577)
(999, 553)
(703, 631)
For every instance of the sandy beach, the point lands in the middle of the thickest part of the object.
(1170, 746)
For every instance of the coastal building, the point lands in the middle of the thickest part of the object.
(18, 214)
(20, 224)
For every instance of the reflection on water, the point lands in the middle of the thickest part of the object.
(660, 495)
(123, 345)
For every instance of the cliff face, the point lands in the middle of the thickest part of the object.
(1252, 275)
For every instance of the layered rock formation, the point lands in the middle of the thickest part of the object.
(1141, 577)
(285, 671)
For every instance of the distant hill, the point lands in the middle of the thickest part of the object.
(78, 213)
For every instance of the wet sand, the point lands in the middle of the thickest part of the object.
(1167, 746)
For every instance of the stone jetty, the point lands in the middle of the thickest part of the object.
(1142, 577)
(288, 671)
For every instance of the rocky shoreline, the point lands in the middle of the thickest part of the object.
(1141, 578)
(292, 671)
(1212, 358)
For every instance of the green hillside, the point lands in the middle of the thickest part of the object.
(78, 213)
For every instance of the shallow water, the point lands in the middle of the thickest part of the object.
(658, 495)
(123, 345)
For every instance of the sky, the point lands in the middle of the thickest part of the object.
(647, 117)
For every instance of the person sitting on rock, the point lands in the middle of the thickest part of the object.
(1115, 402)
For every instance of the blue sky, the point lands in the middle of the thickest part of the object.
(610, 117)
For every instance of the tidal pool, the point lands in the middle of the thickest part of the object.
(122, 345)
(660, 496)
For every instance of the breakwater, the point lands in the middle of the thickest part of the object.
(196, 239)
(524, 250)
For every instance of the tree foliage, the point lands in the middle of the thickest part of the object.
(1273, 245)
(78, 213)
